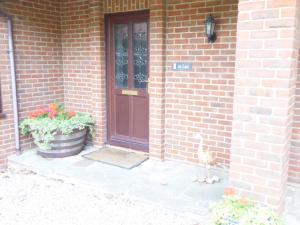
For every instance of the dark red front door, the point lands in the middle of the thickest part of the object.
(127, 41)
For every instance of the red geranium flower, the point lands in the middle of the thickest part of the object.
(32, 115)
(53, 107)
(229, 191)
(244, 201)
(71, 114)
(52, 115)
(37, 113)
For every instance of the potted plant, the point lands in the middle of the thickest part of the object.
(235, 210)
(57, 132)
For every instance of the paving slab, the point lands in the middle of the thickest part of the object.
(32, 199)
(166, 184)
(292, 212)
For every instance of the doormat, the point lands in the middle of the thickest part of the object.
(116, 157)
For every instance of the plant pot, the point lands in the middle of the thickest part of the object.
(65, 145)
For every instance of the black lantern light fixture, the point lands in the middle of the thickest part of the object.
(210, 24)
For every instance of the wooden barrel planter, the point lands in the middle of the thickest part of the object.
(65, 145)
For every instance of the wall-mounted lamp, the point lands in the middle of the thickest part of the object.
(210, 24)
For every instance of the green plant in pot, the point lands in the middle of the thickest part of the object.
(57, 132)
(236, 210)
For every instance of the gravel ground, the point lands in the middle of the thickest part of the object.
(30, 199)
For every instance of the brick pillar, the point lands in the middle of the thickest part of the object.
(266, 62)
(157, 78)
(6, 123)
(97, 69)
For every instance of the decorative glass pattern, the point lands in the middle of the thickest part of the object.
(121, 55)
(140, 55)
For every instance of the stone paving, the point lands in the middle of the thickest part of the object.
(292, 213)
(167, 185)
(30, 199)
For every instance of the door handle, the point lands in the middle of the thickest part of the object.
(129, 92)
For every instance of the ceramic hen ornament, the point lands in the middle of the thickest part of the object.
(205, 158)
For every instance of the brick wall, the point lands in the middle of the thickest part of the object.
(157, 75)
(6, 123)
(265, 81)
(183, 105)
(97, 69)
(82, 25)
(38, 60)
(75, 25)
(125, 5)
(294, 167)
(38, 51)
(200, 101)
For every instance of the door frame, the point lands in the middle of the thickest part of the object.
(108, 51)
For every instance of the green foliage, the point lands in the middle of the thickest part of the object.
(43, 124)
(233, 210)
